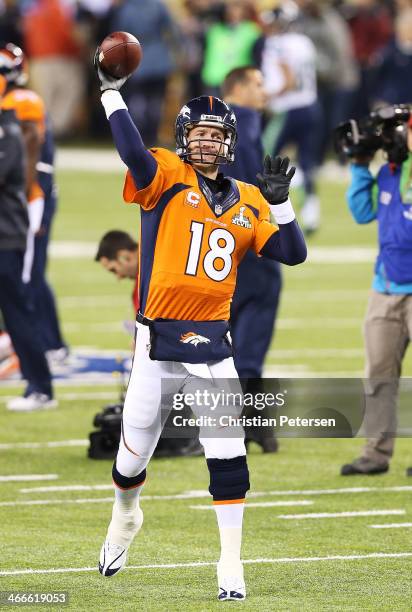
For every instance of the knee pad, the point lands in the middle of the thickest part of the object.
(222, 448)
(229, 478)
(124, 482)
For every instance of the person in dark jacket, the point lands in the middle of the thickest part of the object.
(392, 75)
(41, 292)
(14, 222)
(259, 280)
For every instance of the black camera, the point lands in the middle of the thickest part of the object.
(384, 128)
(105, 442)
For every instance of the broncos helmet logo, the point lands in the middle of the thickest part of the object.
(192, 338)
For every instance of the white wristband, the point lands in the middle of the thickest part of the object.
(283, 213)
(112, 101)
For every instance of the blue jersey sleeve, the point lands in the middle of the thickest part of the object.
(287, 246)
(131, 148)
(361, 195)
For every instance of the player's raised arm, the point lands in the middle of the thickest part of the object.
(288, 244)
(126, 136)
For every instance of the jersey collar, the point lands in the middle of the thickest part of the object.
(225, 196)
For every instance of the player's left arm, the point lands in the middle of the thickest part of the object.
(287, 245)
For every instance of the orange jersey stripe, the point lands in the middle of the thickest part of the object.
(228, 501)
(35, 192)
(128, 447)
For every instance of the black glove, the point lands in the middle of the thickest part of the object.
(274, 183)
(106, 81)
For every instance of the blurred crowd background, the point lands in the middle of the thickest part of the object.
(363, 55)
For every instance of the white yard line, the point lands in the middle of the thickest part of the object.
(94, 379)
(102, 160)
(325, 295)
(105, 500)
(321, 515)
(57, 502)
(66, 249)
(68, 570)
(276, 504)
(286, 323)
(89, 301)
(341, 255)
(319, 322)
(391, 526)
(200, 494)
(103, 487)
(315, 295)
(322, 352)
(109, 487)
(28, 477)
(344, 491)
(58, 444)
(111, 328)
(303, 371)
(103, 395)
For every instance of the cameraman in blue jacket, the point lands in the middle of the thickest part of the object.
(388, 324)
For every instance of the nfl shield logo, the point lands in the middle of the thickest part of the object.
(218, 209)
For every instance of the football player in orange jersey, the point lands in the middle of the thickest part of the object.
(30, 111)
(20, 321)
(40, 191)
(196, 226)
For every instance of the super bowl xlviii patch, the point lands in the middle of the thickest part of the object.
(386, 198)
(241, 219)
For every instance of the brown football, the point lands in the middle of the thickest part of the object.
(120, 54)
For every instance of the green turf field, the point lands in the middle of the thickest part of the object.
(331, 563)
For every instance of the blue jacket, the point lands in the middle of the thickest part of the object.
(392, 81)
(381, 199)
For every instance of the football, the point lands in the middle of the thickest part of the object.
(120, 54)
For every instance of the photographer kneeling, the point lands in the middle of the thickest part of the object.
(388, 324)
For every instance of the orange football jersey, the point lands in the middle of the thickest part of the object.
(28, 106)
(189, 253)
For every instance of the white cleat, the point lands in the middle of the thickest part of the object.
(34, 401)
(231, 586)
(112, 558)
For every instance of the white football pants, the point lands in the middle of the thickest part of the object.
(149, 398)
